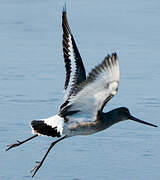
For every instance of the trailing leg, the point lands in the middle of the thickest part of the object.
(19, 142)
(39, 164)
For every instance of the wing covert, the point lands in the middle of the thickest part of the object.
(101, 85)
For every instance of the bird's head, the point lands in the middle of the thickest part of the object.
(124, 114)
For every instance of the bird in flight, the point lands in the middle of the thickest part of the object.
(82, 111)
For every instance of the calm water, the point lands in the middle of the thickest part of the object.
(31, 83)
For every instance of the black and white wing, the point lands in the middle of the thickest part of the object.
(101, 85)
(75, 71)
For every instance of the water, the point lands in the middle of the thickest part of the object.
(32, 76)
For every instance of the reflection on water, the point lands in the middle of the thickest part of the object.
(32, 77)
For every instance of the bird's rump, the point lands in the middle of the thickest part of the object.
(41, 128)
(90, 96)
(52, 126)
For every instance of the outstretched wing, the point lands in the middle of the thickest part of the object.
(73, 61)
(101, 85)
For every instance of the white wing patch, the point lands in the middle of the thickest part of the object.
(101, 84)
(73, 66)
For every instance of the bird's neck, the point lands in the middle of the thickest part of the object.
(110, 118)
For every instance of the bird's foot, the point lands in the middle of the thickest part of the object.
(13, 145)
(35, 169)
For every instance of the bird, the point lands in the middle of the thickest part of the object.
(81, 113)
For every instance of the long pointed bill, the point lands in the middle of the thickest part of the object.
(140, 121)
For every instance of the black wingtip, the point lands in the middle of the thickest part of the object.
(108, 57)
(64, 8)
(114, 55)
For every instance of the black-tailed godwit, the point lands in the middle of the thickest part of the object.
(82, 112)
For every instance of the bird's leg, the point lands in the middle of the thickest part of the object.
(19, 142)
(39, 164)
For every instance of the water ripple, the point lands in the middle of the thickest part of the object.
(151, 102)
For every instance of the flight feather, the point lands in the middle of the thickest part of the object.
(101, 85)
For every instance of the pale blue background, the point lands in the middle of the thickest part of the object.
(32, 77)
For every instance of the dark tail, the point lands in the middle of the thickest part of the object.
(40, 127)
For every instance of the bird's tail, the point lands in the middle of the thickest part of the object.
(40, 127)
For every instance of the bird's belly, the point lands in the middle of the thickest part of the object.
(85, 128)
